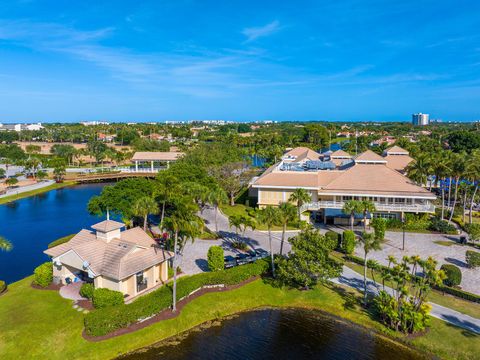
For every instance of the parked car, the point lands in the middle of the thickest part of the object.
(229, 261)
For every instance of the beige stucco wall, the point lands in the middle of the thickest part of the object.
(277, 196)
(129, 286)
(101, 281)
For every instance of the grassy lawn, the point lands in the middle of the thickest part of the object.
(40, 324)
(25, 194)
(463, 306)
(240, 209)
(444, 242)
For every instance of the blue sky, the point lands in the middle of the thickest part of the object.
(64, 60)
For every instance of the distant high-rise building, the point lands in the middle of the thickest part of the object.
(420, 119)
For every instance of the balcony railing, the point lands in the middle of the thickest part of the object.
(415, 208)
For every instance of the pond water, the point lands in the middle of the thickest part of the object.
(32, 223)
(277, 334)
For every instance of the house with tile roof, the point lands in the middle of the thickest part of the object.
(129, 261)
(336, 177)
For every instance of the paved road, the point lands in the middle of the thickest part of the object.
(354, 280)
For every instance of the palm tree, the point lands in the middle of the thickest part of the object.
(143, 207)
(366, 207)
(235, 221)
(183, 224)
(167, 187)
(217, 196)
(441, 167)
(5, 245)
(300, 196)
(247, 222)
(369, 243)
(458, 170)
(286, 214)
(351, 207)
(473, 172)
(269, 217)
(419, 169)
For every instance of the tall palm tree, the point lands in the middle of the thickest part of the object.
(167, 187)
(286, 214)
(366, 207)
(216, 197)
(419, 169)
(369, 243)
(300, 196)
(269, 216)
(5, 245)
(351, 207)
(458, 170)
(143, 207)
(247, 222)
(473, 172)
(441, 167)
(184, 224)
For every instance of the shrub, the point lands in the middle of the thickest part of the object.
(348, 243)
(472, 258)
(3, 286)
(43, 274)
(103, 321)
(453, 273)
(86, 290)
(103, 298)
(441, 226)
(379, 225)
(332, 239)
(215, 258)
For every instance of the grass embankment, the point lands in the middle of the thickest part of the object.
(26, 194)
(40, 324)
(435, 296)
(242, 210)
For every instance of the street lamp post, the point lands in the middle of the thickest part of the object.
(403, 227)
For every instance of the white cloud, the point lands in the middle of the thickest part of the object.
(254, 33)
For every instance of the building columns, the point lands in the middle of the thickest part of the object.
(151, 165)
(136, 165)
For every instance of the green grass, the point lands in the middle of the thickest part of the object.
(208, 235)
(452, 302)
(240, 209)
(40, 324)
(26, 194)
(61, 240)
(444, 242)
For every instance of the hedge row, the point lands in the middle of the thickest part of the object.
(104, 321)
(446, 289)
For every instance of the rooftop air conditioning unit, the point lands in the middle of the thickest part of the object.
(86, 264)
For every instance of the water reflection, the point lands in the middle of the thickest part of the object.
(278, 334)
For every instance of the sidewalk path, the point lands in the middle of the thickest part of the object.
(23, 189)
(354, 280)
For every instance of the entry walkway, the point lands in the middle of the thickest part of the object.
(354, 280)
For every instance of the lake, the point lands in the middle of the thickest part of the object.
(32, 223)
(277, 334)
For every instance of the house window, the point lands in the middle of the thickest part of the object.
(141, 281)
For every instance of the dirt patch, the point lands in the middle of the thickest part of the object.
(165, 314)
(52, 286)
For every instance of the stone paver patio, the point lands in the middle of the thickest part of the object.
(71, 291)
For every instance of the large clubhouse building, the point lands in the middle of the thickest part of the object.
(333, 178)
(128, 261)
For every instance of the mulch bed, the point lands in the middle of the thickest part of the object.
(164, 314)
(85, 304)
(52, 286)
